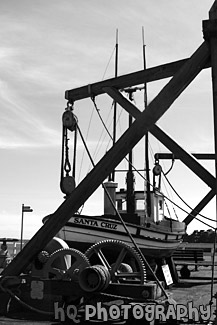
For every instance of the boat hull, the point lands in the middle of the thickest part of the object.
(155, 241)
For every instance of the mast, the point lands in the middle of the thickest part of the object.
(130, 180)
(130, 196)
(147, 175)
(112, 176)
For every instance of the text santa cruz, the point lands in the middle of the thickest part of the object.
(94, 223)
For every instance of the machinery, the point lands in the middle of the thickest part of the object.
(63, 277)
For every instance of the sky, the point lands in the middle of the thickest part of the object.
(48, 47)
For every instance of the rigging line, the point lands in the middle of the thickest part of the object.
(88, 129)
(111, 139)
(85, 145)
(209, 219)
(206, 224)
(168, 210)
(105, 74)
(118, 119)
(100, 117)
(102, 139)
(94, 100)
(108, 63)
(62, 154)
(97, 110)
(169, 193)
(172, 164)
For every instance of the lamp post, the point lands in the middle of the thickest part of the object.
(25, 208)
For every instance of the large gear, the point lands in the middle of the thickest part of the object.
(65, 263)
(121, 260)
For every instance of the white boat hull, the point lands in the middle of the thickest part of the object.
(81, 232)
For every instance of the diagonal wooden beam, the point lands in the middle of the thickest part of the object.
(128, 80)
(199, 207)
(187, 158)
(112, 158)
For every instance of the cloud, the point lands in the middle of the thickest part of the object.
(20, 125)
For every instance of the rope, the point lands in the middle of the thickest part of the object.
(93, 100)
(88, 129)
(102, 135)
(209, 219)
(67, 165)
(62, 156)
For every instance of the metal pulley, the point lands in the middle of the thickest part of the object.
(67, 184)
(69, 120)
(157, 170)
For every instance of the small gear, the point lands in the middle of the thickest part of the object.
(43, 257)
(65, 263)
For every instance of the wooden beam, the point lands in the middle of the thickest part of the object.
(199, 156)
(110, 160)
(167, 141)
(213, 53)
(199, 207)
(128, 80)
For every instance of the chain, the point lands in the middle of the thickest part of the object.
(67, 165)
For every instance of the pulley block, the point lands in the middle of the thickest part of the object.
(67, 184)
(157, 170)
(69, 120)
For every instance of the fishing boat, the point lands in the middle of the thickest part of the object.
(157, 236)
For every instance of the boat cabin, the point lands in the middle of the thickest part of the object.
(119, 200)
